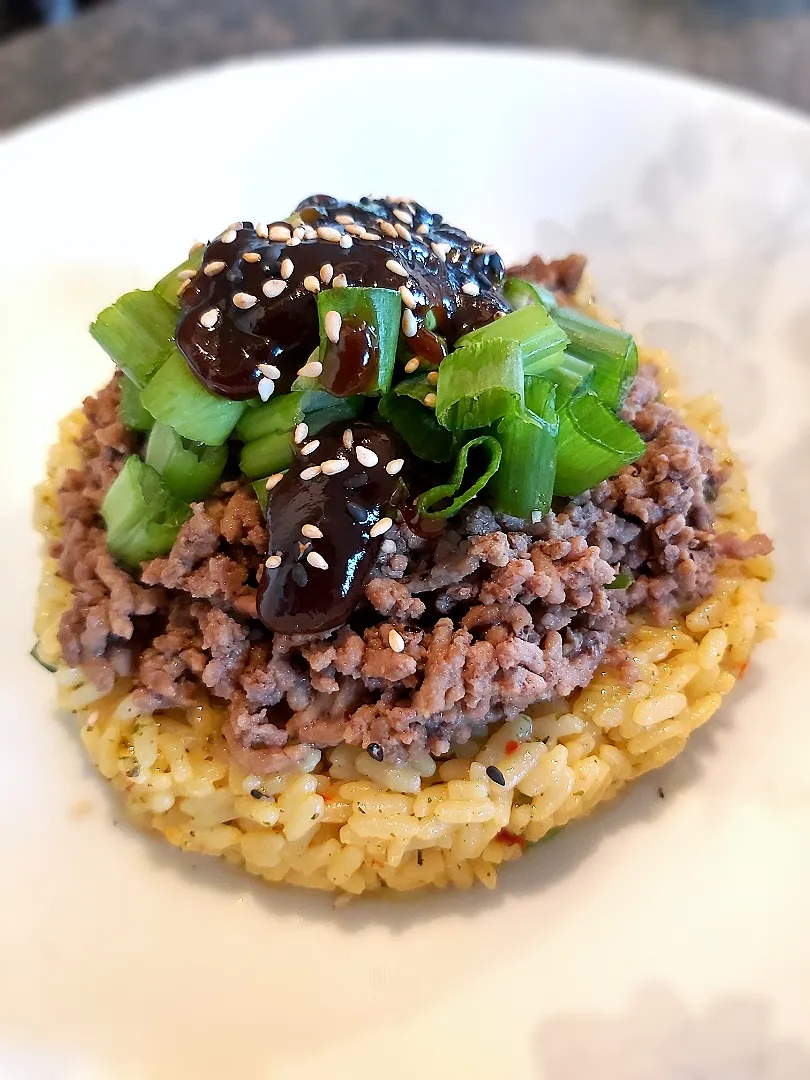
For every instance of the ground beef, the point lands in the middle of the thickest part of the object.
(495, 614)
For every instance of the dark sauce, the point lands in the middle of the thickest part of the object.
(351, 365)
(282, 329)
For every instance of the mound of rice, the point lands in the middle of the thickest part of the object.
(350, 823)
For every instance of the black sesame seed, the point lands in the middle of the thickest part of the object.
(375, 751)
(419, 857)
(495, 775)
(257, 793)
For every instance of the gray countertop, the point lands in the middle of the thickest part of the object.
(762, 45)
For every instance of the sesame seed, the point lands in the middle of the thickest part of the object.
(370, 236)
(316, 560)
(272, 562)
(326, 232)
(252, 257)
(495, 775)
(311, 283)
(270, 370)
(276, 478)
(287, 268)
(471, 288)
(309, 233)
(182, 287)
(344, 219)
(382, 526)
(403, 232)
(348, 438)
(300, 433)
(312, 532)
(423, 229)
(394, 466)
(388, 547)
(266, 388)
(440, 251)
(433, 377)
(412, 365)
(236, 225)
(430, 400)
(187, 275)
(210, 318)
(243, 300)
(355, 230)
(396, 641)
(403, 216)
(326, 273)
(345, 241)
(310, 447)
(261, 230)
(396, 268)
(366, 457)
(387, 228)
(339, 281)
(408, 299)
(332, 323)
(299, 231)
(311, 369)
(273, 287)
(311, 472)
(198, 245)
(334, 465)
(279, 232)
(294, 241)
(409, 326)
(228, 237)
(213, 268)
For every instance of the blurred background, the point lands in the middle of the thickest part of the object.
(54, 53)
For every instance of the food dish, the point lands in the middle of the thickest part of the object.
(372, 563)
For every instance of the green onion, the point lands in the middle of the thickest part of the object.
(593, 445)
(262, 494)
(520, 294)
(524, 483)
(532, 328)
(137, 332)
(142, 517)
(174, 397)
(270, 454)
(168, 288)
(133, 415)
(571, 377)
(622, 580)
(479, 384)
(406, 412)
(284, 411)
(612, 352)
(454, 489)
(189, 470)
(42, 663)
(380, 309)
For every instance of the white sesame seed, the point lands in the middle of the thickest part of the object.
(198, 245)
(311, 472)
(396, 641)
(243, 300)
(326, 273)
(366, 457)
(370, 236)
(339, 281)
(423, 229)
(433, 377)
(403, 232)
(355, 230)
(310, 447)
(311, 283)
(344, 219)
(332, 323)
(261, 230)
(299, 231)
(252, 257)
(316, 560)
(348, 438)
(312, 532)
(228, 237)
(236, 225)
(287, 268)
(396, 268)
(387, 228)
(412, 365)
(408, 299)
(409, 325)
(213, 268)
(273, 287)
(210, 318)
(181, 288)
(311, 369)
(309, 233)
(279, 232)
(440, 251)
(345, 241)
(300, 433)
(388, 547)
(326, 232)
(294, 241)
(276, 478)
(403, 216)
(471, 288)
(394, 466)
(430, 400)
(187, 275)
(334, 465)
(266, 388)
(382, 526)
(270, 370)
(272, 562)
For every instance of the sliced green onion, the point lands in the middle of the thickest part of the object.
(378, 309)
(524, 483)
(270, 454)
(612, 353)
(174, 397)
(42, 663)
(133, 415)
(137, 332)
(189, 469)
(168, 288)
(593, 444)
(520, 293)
(460, 488)
(142, 517)
(262, 494)
(532, 328)
(406, 412)
(622, 580)
(571, 377)
(284, 411)
(479, 384)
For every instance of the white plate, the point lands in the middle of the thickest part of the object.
(663, 939)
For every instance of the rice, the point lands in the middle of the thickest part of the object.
(347, 822)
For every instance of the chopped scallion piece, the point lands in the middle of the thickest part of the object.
(262, 494)
(623, 580)
(572, 376)
(366, 323)
(532, 328)
(168, 287)
(467, 480)
(137, 332)
(524, 482)
(405, 410)
(479, 384)
(612, 353)
(176, 398)
(42, 663)
(189, 469)
(593, 444)
(133, 415)
(270, 454)
(283, 412)
(142, 517)
(520, 294)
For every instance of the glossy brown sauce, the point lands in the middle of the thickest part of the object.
(351, 365)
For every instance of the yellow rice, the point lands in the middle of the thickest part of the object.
(353, 824)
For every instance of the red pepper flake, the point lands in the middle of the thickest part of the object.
(507, 837)
(512, 746)
(326, 796)
(742, 670)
